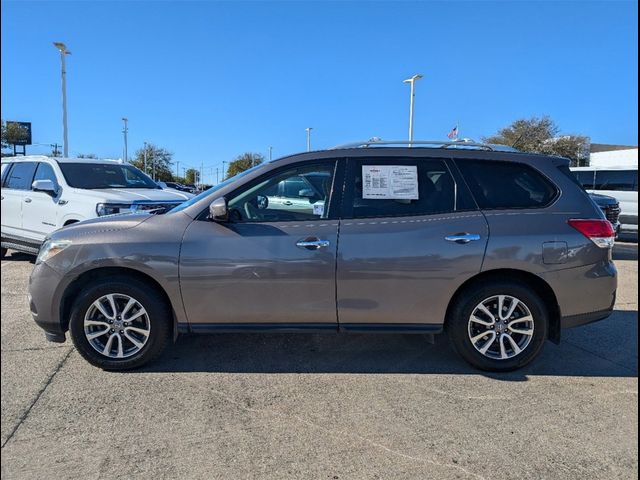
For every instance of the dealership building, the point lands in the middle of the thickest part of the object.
(605, 155)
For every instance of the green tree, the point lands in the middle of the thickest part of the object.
(191, 176)
(244, 162)
(540, 135)
(158, 162)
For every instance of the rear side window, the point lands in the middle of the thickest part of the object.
(507, 185)
(21, 176)
(415, 187)
(621, 180)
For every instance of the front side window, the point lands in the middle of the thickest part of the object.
(21, 175)
(621, 180)
(395, 187)
(298, 194)
(45, 172)
(105, 175)
(506, 185)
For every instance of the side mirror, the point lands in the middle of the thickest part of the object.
(46, 186)
(307, 192)
(218, 210)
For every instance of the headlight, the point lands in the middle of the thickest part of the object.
(50, 248)
(103, 209)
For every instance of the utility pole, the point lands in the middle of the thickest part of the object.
(177, 169)
(270, 150)
(308, 129)
(125, 131)
(217, 176)
(63, 66)
(224, 170)
(412, 82)
(144, 151)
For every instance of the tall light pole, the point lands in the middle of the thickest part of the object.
(412, 82)
(270, 152)
(144, 151)
(308, 129)
(63, 65)
(125, 131)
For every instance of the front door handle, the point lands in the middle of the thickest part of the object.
(27, 200)
(287, 203)
(462, 238)
(312, 243)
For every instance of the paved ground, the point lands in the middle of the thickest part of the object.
(321, 406)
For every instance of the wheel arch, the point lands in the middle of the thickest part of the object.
(541, 287)
(72, 290)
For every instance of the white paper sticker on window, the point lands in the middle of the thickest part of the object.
(390, 181)
(318, 209)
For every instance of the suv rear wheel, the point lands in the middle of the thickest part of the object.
(119, 323)
(498, 326)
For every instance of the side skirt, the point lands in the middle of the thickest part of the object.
(418, 328)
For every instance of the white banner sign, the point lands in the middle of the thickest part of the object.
(390, 182)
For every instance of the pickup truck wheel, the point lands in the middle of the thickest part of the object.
(498, 326)
(4, 252)
(120, 323)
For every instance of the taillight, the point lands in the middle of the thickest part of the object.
(600, 232)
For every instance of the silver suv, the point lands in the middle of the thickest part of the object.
(499, 249)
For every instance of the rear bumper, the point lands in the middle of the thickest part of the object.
(585, 318)
(585, 294)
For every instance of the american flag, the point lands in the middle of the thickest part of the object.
(453, 133)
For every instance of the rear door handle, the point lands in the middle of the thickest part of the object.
(27, 200)
(462, 238)
(287, 203)
(312, 243)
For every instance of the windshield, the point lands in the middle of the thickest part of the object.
(105, 175)
(215, 188)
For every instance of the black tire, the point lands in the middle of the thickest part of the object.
(458, 325)
(4, 252)
(158, 313)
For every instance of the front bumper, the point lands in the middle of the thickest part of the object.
(44, 285)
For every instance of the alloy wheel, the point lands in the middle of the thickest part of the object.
(501, 327)
(117, 326)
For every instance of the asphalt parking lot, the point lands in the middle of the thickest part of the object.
(321, 406)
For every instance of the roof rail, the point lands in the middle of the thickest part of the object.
(375, 141)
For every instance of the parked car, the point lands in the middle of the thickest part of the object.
(501, 250)
(176, 186)
(42, 194)
(621, 183)
(610, 207)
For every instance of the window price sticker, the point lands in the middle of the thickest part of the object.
(395, 182)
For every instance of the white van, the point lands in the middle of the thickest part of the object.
(41, 194)
(619, 182)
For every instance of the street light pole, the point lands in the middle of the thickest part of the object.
(145, 156)
(63, 66)
(270, 150)
(125, 131)
(412, 82)
(308, 129)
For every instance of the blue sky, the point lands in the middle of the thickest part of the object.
(210, 80)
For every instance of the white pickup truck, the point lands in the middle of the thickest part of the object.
(42, 194)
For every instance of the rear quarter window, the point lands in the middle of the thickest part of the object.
(507, 185)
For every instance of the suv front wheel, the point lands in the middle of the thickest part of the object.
(119, 323)
(498, 326)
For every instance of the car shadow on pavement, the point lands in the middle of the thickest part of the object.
(19, 256)
(607, 348)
